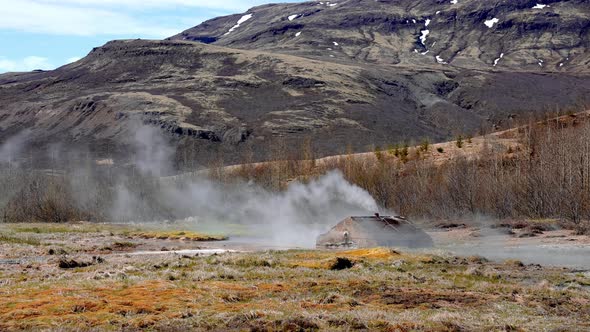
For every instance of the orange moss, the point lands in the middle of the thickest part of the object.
(93, 307)
(227, 286)
(371, 253)
(179, 235)
(141, 305)
(326, 259)
(273, 287)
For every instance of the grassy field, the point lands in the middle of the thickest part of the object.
(365, 289)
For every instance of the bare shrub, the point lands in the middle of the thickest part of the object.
(546, 176)
(42, 199)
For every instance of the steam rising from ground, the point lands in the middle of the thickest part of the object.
(293, 217)
(153, 154)
(290, 218)
(12, 147)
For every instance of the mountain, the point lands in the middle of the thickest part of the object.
(344, 73)
(470, 34)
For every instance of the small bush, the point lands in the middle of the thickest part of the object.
(404, 153)
(425, 145)
(378, 153)
(393, 150)
(459, 142)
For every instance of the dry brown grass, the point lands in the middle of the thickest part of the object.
(384, 291)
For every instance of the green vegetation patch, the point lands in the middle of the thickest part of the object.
(5, 238)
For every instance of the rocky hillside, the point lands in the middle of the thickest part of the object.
(516, 35)
(347, 73)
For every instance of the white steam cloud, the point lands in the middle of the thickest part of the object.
(153, 155)
(294, 217)
(10, 150)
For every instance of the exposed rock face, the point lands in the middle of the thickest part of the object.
(344, 73)
(521, 34)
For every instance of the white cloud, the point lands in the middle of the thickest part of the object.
(61, 19)
(230, 5)
(73, 59)
(26, 64)
(107, 17)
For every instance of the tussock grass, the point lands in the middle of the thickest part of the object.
(274, 290)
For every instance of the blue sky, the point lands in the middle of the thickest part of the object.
(45, 34)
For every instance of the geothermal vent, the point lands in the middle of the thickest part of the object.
(374, 231)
